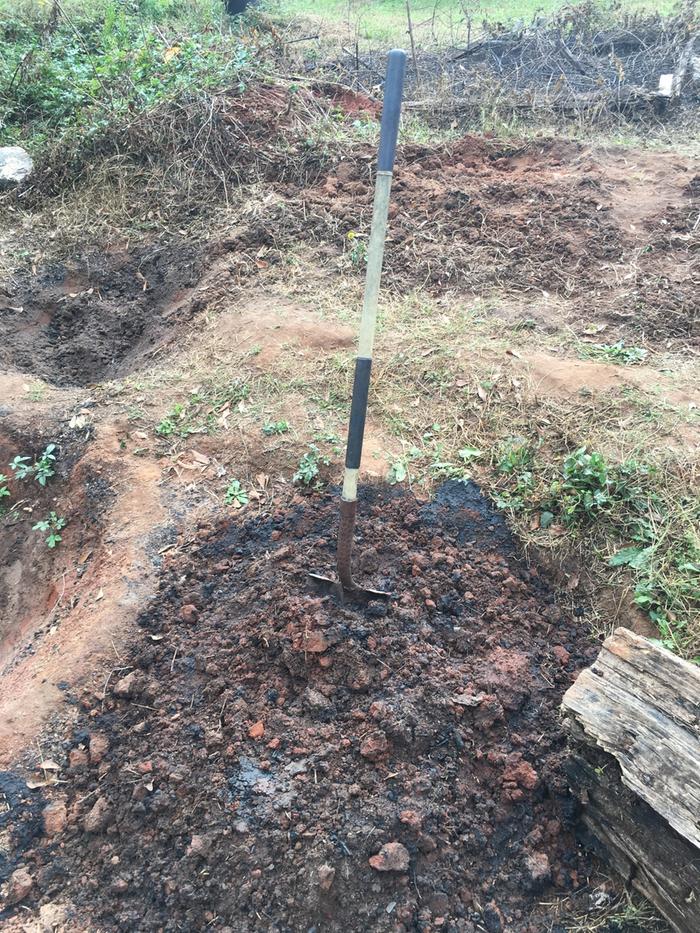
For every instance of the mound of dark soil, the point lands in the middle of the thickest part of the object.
(268, 760)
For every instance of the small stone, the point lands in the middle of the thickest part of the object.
(315, 700)
(120, 886)
(99, 744)
(257, 731)
(538, 867)
(54, 816)
(412, 819)
(199, 845)
(561, 654)
(189, 614)
(492, 919)
(241, 827)
(391, 857)
(315, 642)
(99, 817)
(129, 686)
(15, 165)
(440, 903)
(20, 884)
(52, 917)
(77, 757)
(326, 876)
(374, 746)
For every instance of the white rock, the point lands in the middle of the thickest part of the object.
(15, 165)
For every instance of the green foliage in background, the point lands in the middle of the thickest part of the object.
(89, 66)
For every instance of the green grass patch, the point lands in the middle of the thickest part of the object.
(386, 20)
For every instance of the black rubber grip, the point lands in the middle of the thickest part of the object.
(358, 412)
(391, 112)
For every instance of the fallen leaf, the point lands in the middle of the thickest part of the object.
(49, 765)
(100, 595)
(262, 479)
(481, 392)
(513, 353)
(33, 783)
(171, 53)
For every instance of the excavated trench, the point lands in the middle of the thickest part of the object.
(92, 321)
(268, 760)
(30, 572)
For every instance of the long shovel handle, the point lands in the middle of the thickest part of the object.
(391, 113)
(393, 92)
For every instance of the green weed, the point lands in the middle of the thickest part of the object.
(53, 524)
(273, 428)
(398, 472)
(42, 469)
(308, 467)
(100, 66)
(4, 491)
(618, 353)
(236, 495)
(358, 249)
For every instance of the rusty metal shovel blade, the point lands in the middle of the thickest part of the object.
(330, 587)
(344, 589)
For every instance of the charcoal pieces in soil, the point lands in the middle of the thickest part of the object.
(268, 743)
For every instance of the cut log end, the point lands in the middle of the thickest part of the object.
(633, 721)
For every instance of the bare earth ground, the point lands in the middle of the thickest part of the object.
(505, 264)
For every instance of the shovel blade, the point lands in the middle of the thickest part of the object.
(329, 587)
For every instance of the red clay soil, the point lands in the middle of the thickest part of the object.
(616, 233)
(268, 760)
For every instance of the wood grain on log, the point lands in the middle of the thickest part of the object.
(634, 719)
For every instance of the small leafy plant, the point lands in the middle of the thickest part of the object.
(42, 469)
(398, 472)
(236, 495)
(358, 249)
(53, 525)
(22, 467)
(308, 467)
(4, 491)
(170, 424)
(618, 353)
(272, 428)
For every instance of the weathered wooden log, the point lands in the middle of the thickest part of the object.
(634, 724)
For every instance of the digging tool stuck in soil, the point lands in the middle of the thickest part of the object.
(345, 586)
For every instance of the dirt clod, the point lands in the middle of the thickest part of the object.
(129, 686)
(391, 857)
(55, 817)
(19, 886)
(326, 876)
(98, 747)
(99, 817)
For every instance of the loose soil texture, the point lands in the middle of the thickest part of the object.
(268, 760)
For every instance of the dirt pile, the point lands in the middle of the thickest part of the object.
(267, 760)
